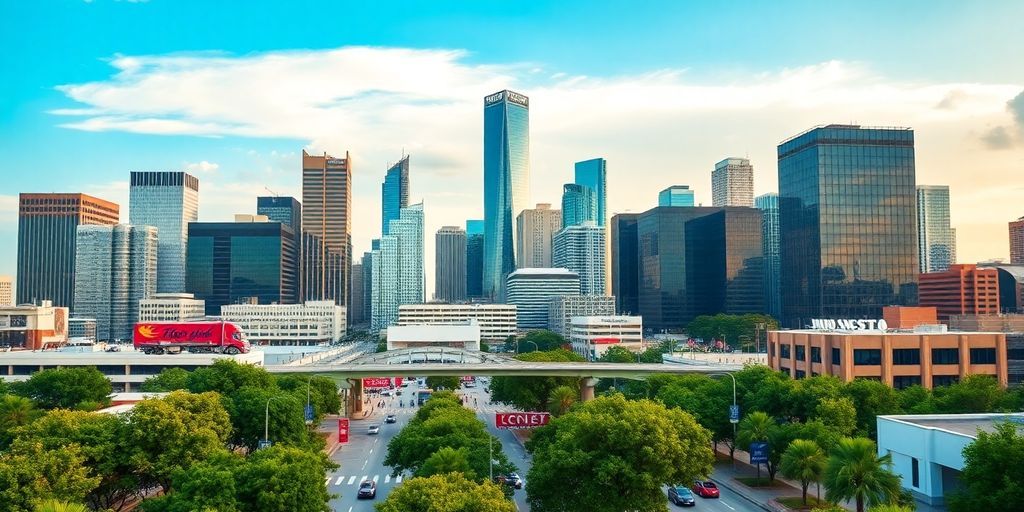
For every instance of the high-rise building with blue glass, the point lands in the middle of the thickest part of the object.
(397, 273)
(593, 173)
(506, 183)
(769, 206)
(579, 204)
(847, 222)
(283, 209)
(676, 195)
(394, 193)
(474, 258)
(936, 240)
(168, 201)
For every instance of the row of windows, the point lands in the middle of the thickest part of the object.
(900, 356)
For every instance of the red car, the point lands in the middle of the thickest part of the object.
(705, 489)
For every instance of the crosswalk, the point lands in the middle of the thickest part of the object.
(346, 480)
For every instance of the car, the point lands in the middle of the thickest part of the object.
(398, 393)
(405, 384)
(681, 496)
(367, 490)
(390, 419)
(705, 488)
(373, 430)
(514, 480)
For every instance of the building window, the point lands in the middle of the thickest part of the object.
(915, 477)
(945, 356)
(944, 380)
(867, 357)
(800, 374)
(801, 353)
(785, 370)
(983, 356)
(784, 351)
(905, 381)
(906, 356)
(836, 356)
(815, 354)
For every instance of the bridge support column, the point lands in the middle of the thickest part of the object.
(587, 389)
(354, 399)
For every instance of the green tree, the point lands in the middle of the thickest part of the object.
(448, 460)
(59, 506)
(562, 398)
(65, 388)
(285, 423)
(804, 461)
(443, 382)
(708, 400)
(754, 428)
(546, 341)
(225, 376)
(15, 411)
(871, 399)
(973, 394)
(209, 485)
(285, 479)
(451, 492)
(613, 454)
(382, 346)
(533, 393)
(805, 395)
(618, 354)
(30, 473)
(170, 379)
(323, 392)
(993, 476)
(837, 413)
(651, 355)
(856, 472)
(917, 400)
(762, 389)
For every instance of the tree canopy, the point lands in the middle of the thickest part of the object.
(619, 354)
(993, 476)
(29, 473)
(855, 472)
(443, 382)
(533, 393)
(66, 388)
(450, 492)
(170, 379)
(735, 330)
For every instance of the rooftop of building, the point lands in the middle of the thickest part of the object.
(960, 424)
(53, 357)
(841, 332)
(839, 126)
(541, 272)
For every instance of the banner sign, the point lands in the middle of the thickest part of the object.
(734, 414)
(511, 420)
(468, 378)
(377, 382)
(848, 324)
(342, 430)
(759, 453)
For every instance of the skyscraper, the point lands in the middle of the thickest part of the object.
(398, 267)
(935, 242)
(676, 195)
(168, 201)
(579, 204)
(394, 193)
(47, 234)
(283, 209)
(581, 249)
(6, 291)
(1016, 244)
(327, 215)
(506, 182)
(115, 268)
(475, 258)
(769, 206)
(625, 268)
(593, 174)
(535, 230)
(530, 290)
(450, 264)
(367, 285)
(848, 234)
(732, 183)
(356, 304)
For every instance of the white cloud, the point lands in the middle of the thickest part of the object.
(203, 167)
(658, 128)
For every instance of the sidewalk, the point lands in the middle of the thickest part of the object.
(726, 472)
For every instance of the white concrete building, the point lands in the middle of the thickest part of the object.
(565, 307)
(172, 307)
(592, 336)
(312, 323)
(927, 449)
(497, 321)
(465, 336)
(6, 291)
(33, 327)
(732, 183)
(531, 291)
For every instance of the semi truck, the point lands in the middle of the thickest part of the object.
(175, 337)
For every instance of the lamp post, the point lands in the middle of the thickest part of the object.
(266, 423)
(308, 381)
(536, 348)
(731, 420)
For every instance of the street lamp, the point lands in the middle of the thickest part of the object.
(308, 381)
(265, 443)
(734, 406)
(536, 348)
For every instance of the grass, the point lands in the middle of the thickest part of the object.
(795, 503)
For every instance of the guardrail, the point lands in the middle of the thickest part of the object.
(323, 354)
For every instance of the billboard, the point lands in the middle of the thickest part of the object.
(376, 382)
(342, 430)
(510, 420)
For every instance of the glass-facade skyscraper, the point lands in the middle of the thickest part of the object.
(936, 242)
(506, 183)
(394, 193)
(450, 264)
(847, 223)
(474, 258)
(397, 273)
(593, 173)
(676, 195)
(168, 201)
(581, 249)
(579, 204)
(327, 227)
(283, 209)
(625, 268)
(769, 206)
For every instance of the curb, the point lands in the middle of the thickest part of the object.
(723, 483)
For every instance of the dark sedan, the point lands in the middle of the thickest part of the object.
(367, 490)
(681, 496)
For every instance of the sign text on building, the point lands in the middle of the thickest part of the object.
(848, 324)
(509, 420)
(377, 382)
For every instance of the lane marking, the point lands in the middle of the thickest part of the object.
(365, 463)
(387, 478)
(350, 509)
(726, 504)
(352, 480)
(398, 479)
(371, 450)
(340, 480)
(375, 478)
(363, 479)
(328, 482)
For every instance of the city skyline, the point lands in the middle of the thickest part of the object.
(660, 119)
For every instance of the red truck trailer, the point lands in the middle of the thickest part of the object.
(174, 337)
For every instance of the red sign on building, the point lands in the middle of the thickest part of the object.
(342, 430)
(509, 420)
(376, 382)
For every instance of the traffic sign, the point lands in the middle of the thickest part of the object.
(759, 452)
(309, 412)
(342, 430)
(264, 443)
(734, 414)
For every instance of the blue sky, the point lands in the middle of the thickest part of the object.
(662, 89)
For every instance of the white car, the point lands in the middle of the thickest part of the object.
(373, 430)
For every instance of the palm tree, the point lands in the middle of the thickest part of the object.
(59, 506)
(15, 411)
(804, 461)
(855, 471)
(754, 428)
(561, 399)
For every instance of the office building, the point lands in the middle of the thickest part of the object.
(30, 327)
(6, 291)
(1007, 322)
(926, 357)
(283, 209)
(565, 307)
(593, 174)
(497, 321)
(909, 317)
(769, 206)
(311, 323)
(450, 264)
(327, 216)
(394, 193)
(168, 201)
(535, 231)
(465, 336)
(530, 290)
(115, 268)
(357, 298)
(506, 183)
(367, 284)
(241, 262)
(581, 249)
(961, 290)
(172, 307)
(732, 183)
(579, 204)
(592, 336)
(474, 258)
(1017, 242)
(676, 195)
(625, 267)
(848, 242)
(81, 330)
(398, 268)
(47, 233)
(935, 238)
